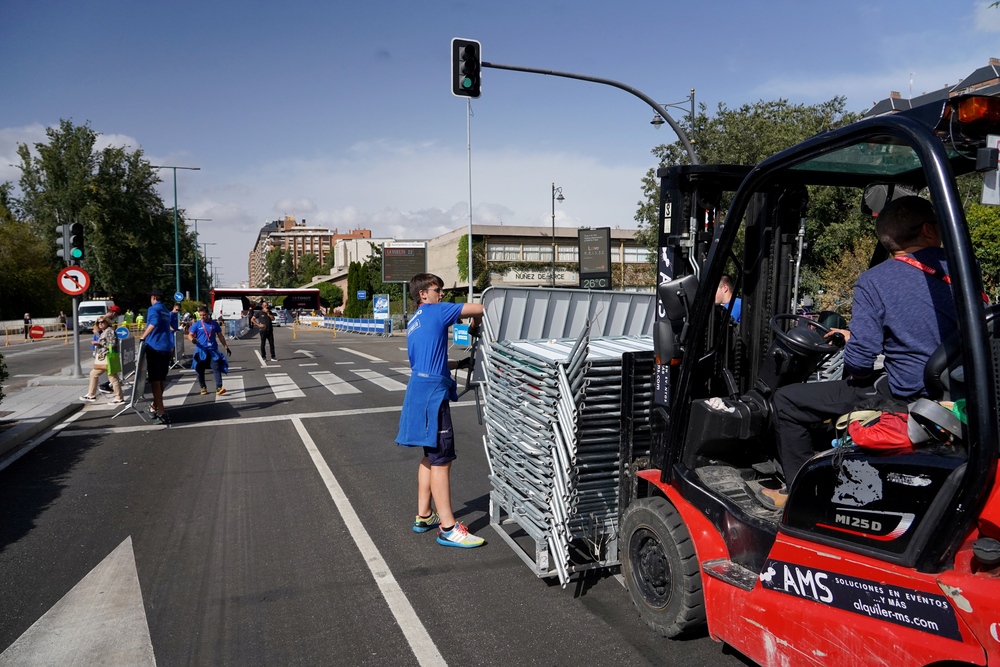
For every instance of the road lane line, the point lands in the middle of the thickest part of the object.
(334, 383)
(239, 421)
(382, 381)
(369, 357)
(234, 390)
(416, 634)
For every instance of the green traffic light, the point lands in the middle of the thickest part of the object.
(76, 253)
(466, 82)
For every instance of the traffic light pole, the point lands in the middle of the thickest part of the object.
(76, 372)
(692, 156)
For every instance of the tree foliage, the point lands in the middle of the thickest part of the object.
(128, 231)
(309, 266)
(749, 134)
(479, 268)
(984, 228)
(280, 269)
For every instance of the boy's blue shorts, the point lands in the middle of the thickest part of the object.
(444, 453)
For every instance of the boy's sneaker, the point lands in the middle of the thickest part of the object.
(204, 391)
(105, 388)
(220, 391)
(459, 536)
(88, 399)
(422, 525)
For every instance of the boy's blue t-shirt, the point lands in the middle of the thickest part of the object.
(427, 337)
(205, 334)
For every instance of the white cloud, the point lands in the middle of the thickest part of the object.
(10, 137)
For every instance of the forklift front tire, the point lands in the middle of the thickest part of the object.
(660, 568)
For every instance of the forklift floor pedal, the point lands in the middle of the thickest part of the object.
(766, 468)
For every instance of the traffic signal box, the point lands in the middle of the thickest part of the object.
(70, 243)
(466, 67)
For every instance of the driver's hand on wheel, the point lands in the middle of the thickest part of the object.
(839, 337)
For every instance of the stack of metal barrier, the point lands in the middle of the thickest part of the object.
(553, 431)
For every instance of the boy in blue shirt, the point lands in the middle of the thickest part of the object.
(426, 417)
(203, 334)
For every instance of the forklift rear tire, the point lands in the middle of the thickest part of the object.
(660, 568)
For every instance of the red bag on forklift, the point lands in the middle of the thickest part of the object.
(884, 431)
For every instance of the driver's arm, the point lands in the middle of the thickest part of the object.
(864, 341)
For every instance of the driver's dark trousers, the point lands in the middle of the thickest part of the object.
(799, 408)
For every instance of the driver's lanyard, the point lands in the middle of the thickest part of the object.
(937, 273)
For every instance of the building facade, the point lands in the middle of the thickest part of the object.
(296, 239)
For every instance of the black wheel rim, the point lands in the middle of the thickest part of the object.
(650, 567)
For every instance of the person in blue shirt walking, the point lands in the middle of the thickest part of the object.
(159, 341)
(724, 294)
(425, 420)
(203, 334)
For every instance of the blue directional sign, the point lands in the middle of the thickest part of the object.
(362, 295)
(122, 332)
(178, 296)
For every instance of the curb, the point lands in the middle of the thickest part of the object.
(16, 436)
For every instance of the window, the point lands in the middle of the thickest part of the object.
(504, 252)
(637, 255)
(537, 253)
(568, 253)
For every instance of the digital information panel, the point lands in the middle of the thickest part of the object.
(402, 261)
(595, 258)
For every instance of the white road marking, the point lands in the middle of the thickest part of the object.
(263, 364)
(311, 355)
(416, 634)
(344, 363)
(405, 371)
(176, 393)
(369, 357)
(234, 390)
(233, 421)
(284, 387)
(377, 378)
(333, 382)
(101, 619)
(314, 364)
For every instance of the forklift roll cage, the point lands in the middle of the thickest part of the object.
(922, 148)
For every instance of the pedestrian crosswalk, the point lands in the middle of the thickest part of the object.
(273, 384)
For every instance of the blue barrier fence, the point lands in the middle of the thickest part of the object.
(364, 326)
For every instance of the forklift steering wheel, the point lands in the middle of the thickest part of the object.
(824, 346)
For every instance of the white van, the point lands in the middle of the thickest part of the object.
(88, 312)
(229, 309)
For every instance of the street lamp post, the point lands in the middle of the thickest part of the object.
(658, 119)
(177, 244)
(205, 246)
(555, 191)
(197, 290)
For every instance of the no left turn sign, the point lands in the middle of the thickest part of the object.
(73, 280)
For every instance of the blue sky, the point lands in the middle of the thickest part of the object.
(341, 113)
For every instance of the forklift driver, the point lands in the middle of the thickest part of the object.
(902, 309)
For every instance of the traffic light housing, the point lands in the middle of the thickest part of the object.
(76, 243)
(466, 67)
(62, 243)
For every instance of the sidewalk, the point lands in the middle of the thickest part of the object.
(29, 411)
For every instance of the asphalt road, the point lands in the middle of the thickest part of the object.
(272, 526)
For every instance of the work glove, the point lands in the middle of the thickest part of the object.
(475, 330)
(228, 352)
(465, 363)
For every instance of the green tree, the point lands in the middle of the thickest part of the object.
(479, 269)
(984, 228)
(355, 272)
(280, 271)
(29, 273)
(309, 266)
(331, 296)
(747, 135)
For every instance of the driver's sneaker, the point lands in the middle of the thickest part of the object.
(459, 536)
(423, 524)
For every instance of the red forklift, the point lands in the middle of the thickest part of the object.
(907, 573)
